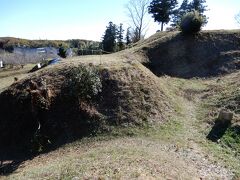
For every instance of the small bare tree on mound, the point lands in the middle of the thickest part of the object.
(138, 11)
(237, 18)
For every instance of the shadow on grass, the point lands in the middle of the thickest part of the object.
(10, 161)
(11, 158)
(218, 130)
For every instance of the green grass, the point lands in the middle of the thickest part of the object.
(7, 75)
(115, 156)
(139, 152)
(231, 139)
(223, 155)
(227, 149)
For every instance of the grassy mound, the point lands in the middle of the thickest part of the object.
(224, 93)
(63, 103)
(208, 53)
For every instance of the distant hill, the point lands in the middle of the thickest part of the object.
(23, 51)
(8, 43)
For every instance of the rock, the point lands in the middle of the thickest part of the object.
(75, 178)
(225, 116)
(127, 93)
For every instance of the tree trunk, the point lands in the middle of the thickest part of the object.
(162, 26)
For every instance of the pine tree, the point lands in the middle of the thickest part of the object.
(109, 38)
(128, 36)
(120, 37)
(201, 7)
(162, 10)
(186, 6)
(62, 52)
(182, 10)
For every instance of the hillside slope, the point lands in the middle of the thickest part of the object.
(63, 103)
(8, 43)
(121, 121)
(209, 53)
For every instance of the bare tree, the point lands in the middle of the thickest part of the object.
(138, 11)
(237, 18)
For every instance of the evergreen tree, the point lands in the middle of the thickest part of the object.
(186, 6)
(180, 12)
(162, 10)
(128, 36)
(109, 38)
(62, 52)
(191, 23)
(120, 37)
(201, 7)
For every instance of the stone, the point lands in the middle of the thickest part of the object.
(225, 116)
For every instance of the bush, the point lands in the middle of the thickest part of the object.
(83, 82)
(191, 23)
(62, 52)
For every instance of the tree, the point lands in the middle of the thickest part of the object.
(201, 7)
(128, 36)
(162, 10)
(180, 12)
(191, 23)
(186, 7)
(62, 52)
(120, 32)
(109, 38)
(135, 35)
(137, 12)
(237, 18)
(74, 43)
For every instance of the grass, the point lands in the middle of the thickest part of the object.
(123, 159)
(227, 150)
(7, 75)
(110, 156)
(221, 93)
(156, 151)
(139, 154)
(128, 153)
(232, 139)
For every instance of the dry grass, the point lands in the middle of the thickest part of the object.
(170, 151)
(128, 158)
(177, 149)
(7, 75)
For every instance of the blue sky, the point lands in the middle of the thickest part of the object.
(87, 19)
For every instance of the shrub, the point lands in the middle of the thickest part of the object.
(191, 23)
(83, 82)
(62, 52)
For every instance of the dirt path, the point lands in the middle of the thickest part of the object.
(193, 153)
